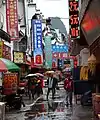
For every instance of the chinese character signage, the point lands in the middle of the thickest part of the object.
(48, 52)
(6, 52)
(58, 55)
(19, 57)
(12, 19)
(74, 19)
(59, 48)
(38, 57)
(37, 42)
(37, 34)
(10, 82)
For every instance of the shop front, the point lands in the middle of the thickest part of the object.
(90, 26)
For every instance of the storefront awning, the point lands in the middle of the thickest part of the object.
(5, 36)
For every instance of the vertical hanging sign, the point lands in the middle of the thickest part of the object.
(74, 19)
(48, 52)
(12, 19)
(37, 42)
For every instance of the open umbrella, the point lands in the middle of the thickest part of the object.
(7, 65)
(39, 74)
(31, 75)
(48, 72)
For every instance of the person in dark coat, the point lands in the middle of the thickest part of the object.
(52, 84)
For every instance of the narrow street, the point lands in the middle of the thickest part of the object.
(56, 109)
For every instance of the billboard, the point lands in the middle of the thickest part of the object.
(37, 42)
(37, 34)
(12, 19)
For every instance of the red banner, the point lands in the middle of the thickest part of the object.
(10, 82)
(6, 52)
(12, 19)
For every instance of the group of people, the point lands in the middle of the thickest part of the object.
(52, 83)
(35, 86)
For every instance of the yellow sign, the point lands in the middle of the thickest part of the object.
(1, 48)
(18, 57)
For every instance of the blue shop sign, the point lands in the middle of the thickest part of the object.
(37, 34)
(59, 48)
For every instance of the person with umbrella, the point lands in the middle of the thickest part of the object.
(41, 85)
(31, 87)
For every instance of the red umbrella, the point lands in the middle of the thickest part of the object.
(7, 65)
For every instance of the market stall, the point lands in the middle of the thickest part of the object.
(9, 80)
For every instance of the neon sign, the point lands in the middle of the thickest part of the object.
(74, 19)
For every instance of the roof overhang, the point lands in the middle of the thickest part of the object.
(4, 35)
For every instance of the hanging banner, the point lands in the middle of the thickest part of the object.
(37, 42)
(48, 52)
(37, 34)
(12, 19)
(74, 19)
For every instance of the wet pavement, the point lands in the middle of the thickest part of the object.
(56, 109)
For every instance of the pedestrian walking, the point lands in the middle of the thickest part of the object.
(31, 87)
(41, 84)
(68, 86)
(52, 84)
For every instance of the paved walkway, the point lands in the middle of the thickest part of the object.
(77, 112)
(82, 113)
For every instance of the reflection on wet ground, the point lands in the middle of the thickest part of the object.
(49, 110)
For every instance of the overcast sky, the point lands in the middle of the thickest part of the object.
(55, 8)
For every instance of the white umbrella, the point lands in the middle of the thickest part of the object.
(31, 75)
(39, 74)
(50, 71)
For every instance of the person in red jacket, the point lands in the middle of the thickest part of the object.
(68, 86)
